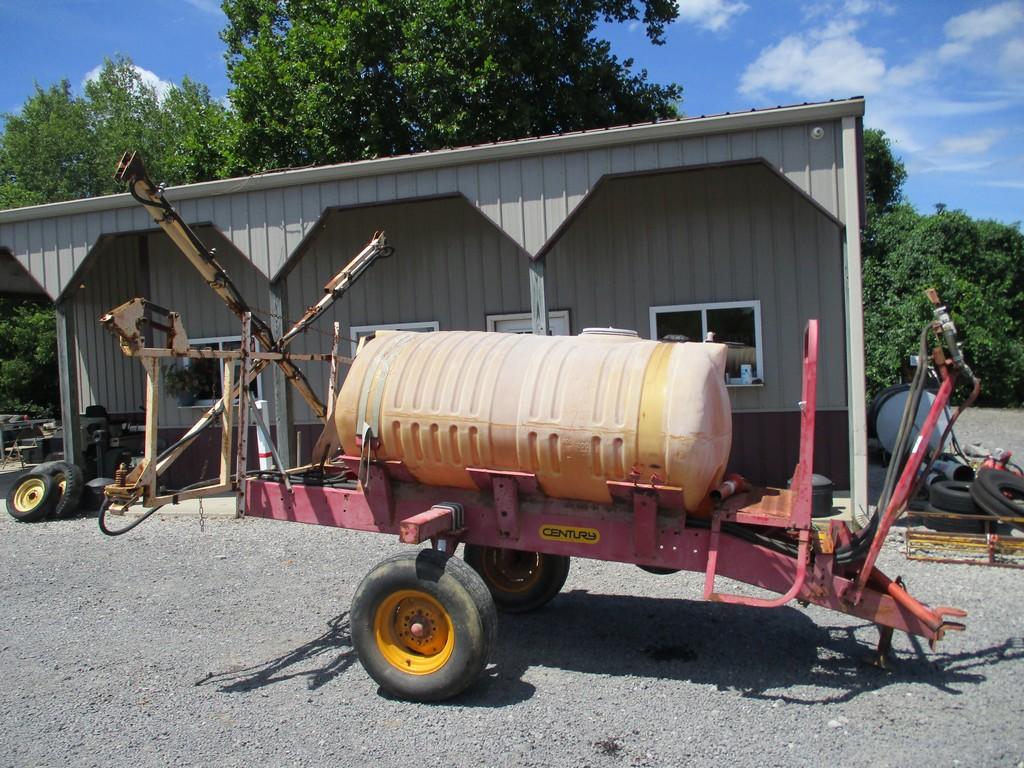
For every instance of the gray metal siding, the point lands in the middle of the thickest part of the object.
(176, 285)
(727, 234)
(113, 276)
(106, 376)
(529, 198)
(450, 265)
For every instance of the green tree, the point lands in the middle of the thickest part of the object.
(46, 152)
(328, 81)
(976, 265)
(200, 134)
(28, 364)
(60, 146)
(884, 174)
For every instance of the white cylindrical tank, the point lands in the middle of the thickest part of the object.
(576, 411)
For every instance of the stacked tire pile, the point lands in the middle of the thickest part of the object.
(52, 489)
(993, 492)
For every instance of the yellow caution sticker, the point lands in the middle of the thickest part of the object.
(570, 533)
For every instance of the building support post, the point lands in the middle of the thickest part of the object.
(67, 367)
(284, 418)
(855, 384)
(538, 301)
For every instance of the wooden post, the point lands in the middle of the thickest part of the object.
(149, 476)
(538, 301)
(228, 380)
(67, 367)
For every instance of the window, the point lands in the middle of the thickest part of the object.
(522, 322)
(209, 374)
(737, 324)
(357, 332)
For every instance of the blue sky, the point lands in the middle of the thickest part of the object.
(945, 79)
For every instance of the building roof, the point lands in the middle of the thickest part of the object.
(501, 150)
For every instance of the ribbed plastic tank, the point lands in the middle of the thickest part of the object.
(576, 411)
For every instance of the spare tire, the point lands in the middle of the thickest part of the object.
(952, 496)
(31, 497)
(1001, 493)
(70, 482)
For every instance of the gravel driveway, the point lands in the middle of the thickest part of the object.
(230, 647)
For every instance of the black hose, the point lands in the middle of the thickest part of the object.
(107, 501)
(120, 531)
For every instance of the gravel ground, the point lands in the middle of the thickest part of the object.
(230, 647)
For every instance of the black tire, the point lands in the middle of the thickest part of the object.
(92, 496)
(32, 497)
(518, 581)
(70, 482)
(952, 496)
(658, 570)
(444, 596)
(1000, 493)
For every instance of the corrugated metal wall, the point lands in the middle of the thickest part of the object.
(527, 197)
(117, 273)
(450, 265)
(722, 234)
(105, 376)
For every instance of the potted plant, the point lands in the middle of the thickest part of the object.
(185, 381)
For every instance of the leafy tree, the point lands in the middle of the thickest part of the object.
(200, 134)
(28, 363)
(884, 174)
(328, 81)
(978, 269)
(61, 146)
(46, 152)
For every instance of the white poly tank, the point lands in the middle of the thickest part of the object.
(576, 411)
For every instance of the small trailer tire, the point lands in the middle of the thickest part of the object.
(519, 581)
(31, 497)
(423, 625)
(70, 483)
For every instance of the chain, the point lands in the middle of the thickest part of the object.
(202, 516)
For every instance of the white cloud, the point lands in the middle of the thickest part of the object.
(153, 80)
(970, 144)
(206, 6)
(983, 23)
(816, 68)
(713, 15)
(948, 108)
(1012, 58)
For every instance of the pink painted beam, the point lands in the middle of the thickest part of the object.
(425, 525)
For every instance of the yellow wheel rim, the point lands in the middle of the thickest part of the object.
(29, 494)
(509, 570)
(414, 632)
(62, 484)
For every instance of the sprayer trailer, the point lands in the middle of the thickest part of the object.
(629, 467)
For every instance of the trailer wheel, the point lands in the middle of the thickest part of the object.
(32, 497)
(423, 625)
(519, 581)
(70, 483)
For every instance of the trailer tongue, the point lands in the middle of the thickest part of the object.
(424, 623)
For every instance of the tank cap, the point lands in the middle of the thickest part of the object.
(609, 332)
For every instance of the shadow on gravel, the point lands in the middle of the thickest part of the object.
(332, 653)
(782, 654)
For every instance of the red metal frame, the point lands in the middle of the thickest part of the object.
(644, 525)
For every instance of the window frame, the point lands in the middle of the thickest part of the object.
(754, 304)
(355, 330)
(209, 341)
(493, 320)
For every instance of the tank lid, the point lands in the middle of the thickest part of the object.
(609, 332)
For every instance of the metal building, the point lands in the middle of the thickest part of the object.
(744, 224)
